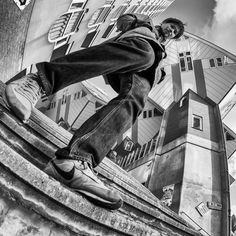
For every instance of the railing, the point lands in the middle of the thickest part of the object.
(139, 153)
(200, 228)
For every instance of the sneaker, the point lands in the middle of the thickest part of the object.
(79, 177)
(22, 95)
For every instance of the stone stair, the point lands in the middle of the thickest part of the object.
(32, 203)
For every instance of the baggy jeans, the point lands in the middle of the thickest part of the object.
(123, 59)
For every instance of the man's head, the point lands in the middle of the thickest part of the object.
(171, 28)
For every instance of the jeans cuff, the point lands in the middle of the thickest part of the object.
(82, 156)
(65, 153)
(43, 82)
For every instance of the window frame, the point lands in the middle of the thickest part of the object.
(185, 61)
(200, 118)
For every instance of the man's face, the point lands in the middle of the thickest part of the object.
(170, 30)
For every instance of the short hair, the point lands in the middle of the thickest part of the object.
(177, 22)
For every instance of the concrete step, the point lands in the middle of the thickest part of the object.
(32, 201)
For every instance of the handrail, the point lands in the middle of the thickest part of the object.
(195, 223)
(139, 153)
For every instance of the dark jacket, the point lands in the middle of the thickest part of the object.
(152, 73)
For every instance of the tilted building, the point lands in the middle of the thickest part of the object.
(176, 148)
(31, 202)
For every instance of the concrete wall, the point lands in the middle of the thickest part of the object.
(177, 123)
(199, 107)
(168, 169)
(202, 183)
(44, 14)
(13, 31)
(16, 220)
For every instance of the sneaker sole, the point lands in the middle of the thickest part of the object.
(90, 196)
(99, 201)
(14, 104)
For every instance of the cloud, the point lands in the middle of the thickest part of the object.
(232, 165)
(221, 30)
(233, 210)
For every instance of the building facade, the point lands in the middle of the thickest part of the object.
(188, 169)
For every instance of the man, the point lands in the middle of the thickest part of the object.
(129, 62)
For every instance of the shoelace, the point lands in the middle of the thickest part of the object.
(31, 90)
(87, 166)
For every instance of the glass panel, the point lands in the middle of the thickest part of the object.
(108, 31)
(89, 39)
(212, 63)
(150, 113)
(182, 64)
(197, 122)
(189, 61)
(219, 61)
(145, 114)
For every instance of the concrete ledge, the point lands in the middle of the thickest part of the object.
(25, 149)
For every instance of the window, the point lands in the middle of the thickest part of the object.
(150, 113)
(185, 61)
(57, 29)
(90, 37)
(77, 4)
(65, 25)
(52, 105)
(189, 63)
(133, 9)
(109, 30)
(140, 9)
(156, 112)
(197, 122)
(128, 146)
(227, 60)
(212, 63)
(145, 114)
(182, 64)
(216, 62)
(64, 98)
(119, 11)
(98, 105)
(44, 98)
(77, 95)
(100, 15)
(219, 61)
(83, 93)
(229, 137)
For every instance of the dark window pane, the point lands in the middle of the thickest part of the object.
(182, 64)
(219, 61)
(150, 113)
(212, 63)
(189, 61)
(145, 114)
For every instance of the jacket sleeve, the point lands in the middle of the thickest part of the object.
(131, 21)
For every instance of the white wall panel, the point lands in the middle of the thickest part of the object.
(200, 50)
(162, 93)
(219, 80)
(147, 128)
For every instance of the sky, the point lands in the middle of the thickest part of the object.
(215, 21)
